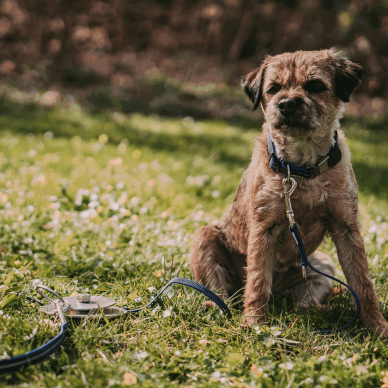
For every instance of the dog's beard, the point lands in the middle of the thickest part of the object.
(300, 123)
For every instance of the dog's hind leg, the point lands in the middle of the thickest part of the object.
(211, 262)
(316, 290)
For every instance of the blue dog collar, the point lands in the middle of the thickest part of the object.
(332, 158)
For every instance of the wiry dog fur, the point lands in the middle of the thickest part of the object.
(251, 247)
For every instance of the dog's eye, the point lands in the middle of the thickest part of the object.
(274, 89)
(314, 86)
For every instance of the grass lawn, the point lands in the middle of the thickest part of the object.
(107, 204)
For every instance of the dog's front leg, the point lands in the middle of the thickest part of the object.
(351, 253)
(258, 278)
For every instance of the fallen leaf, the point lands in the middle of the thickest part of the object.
(258, 372)
(129, 378)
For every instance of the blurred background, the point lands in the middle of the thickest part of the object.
(180, 58)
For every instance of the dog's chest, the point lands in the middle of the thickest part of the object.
(309, 203)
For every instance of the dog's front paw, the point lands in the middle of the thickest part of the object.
(248, 322)
(379, 325)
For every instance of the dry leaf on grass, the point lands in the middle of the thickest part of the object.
(129, 378)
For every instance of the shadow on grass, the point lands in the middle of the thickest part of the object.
(174, 102)
(30, 118)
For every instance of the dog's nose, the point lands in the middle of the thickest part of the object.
(288, 106)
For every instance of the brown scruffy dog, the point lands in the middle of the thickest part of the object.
(302, 95)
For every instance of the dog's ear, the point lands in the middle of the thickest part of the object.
(252, 84)
(347, 75)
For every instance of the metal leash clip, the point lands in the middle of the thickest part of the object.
(287, 196)
(290, 213)
(80, 306)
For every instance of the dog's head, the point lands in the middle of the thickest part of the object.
(302, 91)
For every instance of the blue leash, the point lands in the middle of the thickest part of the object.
(305, 263)
(46, 350)
(196, 286)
